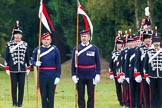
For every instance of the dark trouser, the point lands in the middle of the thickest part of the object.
(127, 101)
(135, 94)
(156, 92)
(17, 80)
(47, 92)
(118, 91)
(146, 95)
(81, 93)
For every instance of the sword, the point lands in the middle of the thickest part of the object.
(2, 65)
(27, 88)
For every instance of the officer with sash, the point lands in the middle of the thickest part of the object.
(49, 69)
(87, 72)
(153, 72)
(114, 68)
(17, 65)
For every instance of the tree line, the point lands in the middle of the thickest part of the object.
(107, 16)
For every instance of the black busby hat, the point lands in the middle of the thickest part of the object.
(147, 35)
(156, 37)
(130, 38)
(119, 40)
(17, 29)
(147, 21)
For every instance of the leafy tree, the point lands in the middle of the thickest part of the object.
(107, 16)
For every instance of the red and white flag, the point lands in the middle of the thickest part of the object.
(45, 17)
(87, 20)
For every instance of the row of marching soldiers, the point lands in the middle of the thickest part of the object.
(136, 67)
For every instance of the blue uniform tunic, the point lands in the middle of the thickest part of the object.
(88, 63)
(51, 64)
(130, 62)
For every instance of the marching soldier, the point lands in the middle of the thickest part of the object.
(139, 65)
(122, 60)
(17, 65)
(113, 71)
(49, 69)
(153, 72)
(145, 34)
(129, 69)
(87, 72)
(135, 87)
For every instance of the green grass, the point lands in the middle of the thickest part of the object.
(65, 93)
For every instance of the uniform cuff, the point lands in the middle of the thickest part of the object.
(29, 68)
(7, 68)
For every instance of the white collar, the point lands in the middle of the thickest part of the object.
(46, 47)
(85, 44)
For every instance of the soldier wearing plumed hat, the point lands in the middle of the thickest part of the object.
(114, 64)
(17, 64)
(153, 71)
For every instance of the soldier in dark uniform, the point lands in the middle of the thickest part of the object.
(87, 72)
(134, 94)
(153, 72)
(49, 69)
(122, 59)
(146, 34)
(139, 63)
(17, 65)
(113, 71)
(129, 69)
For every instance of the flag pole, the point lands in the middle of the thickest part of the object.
(76, 54)
(38, 59)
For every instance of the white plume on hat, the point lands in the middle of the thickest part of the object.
(147, 13)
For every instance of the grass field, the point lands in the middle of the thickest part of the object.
(65, 92)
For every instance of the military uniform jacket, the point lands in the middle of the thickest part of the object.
(130, 62)
(113, 63)
(50, 62)
(153, 66)
(17, 56)
(139, 61)
(122, 59)
(88, 62)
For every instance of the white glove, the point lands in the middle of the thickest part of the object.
(94, 83)
(27, 72)
(122, 77)
(74, 78)
(57, 80)
(119, 80)
(38, 63)
(8, 72)
(122, 80)
(111, 77)
(138, 79)
(127, 79)
(148, 80)
(97, 78)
